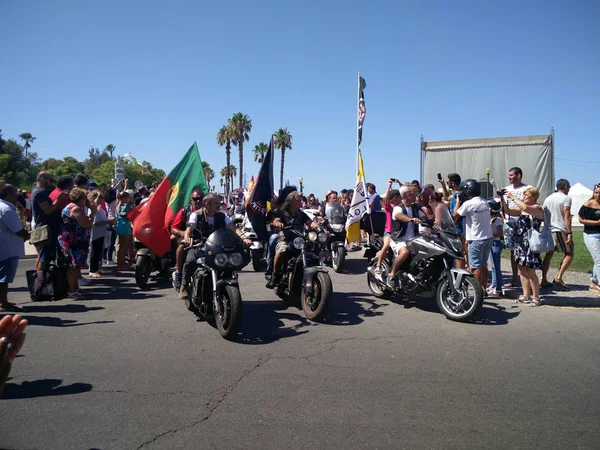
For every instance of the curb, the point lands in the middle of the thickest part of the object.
(576, 302)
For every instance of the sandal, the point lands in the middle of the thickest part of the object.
(535, 301)
(561, 283)
(522, 299)
(546, 284)
(511, 285)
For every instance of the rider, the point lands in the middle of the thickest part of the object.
(290, 214)
(178, 228)
(200, 225)
(238, 207)
(406, 217)
(274, 212)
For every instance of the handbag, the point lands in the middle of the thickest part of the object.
(542, 241)
(40, 236)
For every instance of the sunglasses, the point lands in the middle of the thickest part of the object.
(196, 199)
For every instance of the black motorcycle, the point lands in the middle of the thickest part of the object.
(147, 262)
(303, 274)
(333, 251)
(429, 268)
(214, 292)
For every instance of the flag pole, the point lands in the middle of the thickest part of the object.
(357, 120)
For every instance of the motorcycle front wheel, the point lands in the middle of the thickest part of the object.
(375, 286)
(462, 306)
(338, 257)
(229, 319)
(316, 307)
(258, 264)
(143, 267)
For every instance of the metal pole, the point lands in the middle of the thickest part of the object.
(357, 119)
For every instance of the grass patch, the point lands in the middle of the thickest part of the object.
(582, 260)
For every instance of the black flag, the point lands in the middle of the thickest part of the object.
(362, 110)
(257, 207)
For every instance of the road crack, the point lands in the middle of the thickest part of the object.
(214, 402)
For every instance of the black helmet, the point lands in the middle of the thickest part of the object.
(470, 188)
(494, 205)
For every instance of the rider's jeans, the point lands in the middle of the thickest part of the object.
(495, 255)
(271, 251)
(189, 266)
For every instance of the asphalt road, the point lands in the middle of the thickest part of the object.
(130, 369)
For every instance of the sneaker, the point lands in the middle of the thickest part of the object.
(75, 295)
(177, 280)
(183, 293)
(83, 281)
(378, 273)
(392, 282)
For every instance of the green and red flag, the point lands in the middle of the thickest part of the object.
(152, 218)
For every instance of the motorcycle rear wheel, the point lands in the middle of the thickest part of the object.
(465, 306)
(229, 321)
(142, 271)
(322, 292)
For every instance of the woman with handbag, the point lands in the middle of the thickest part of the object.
(530, 217)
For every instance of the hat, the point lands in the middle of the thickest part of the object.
(92, 185)
(329, 192)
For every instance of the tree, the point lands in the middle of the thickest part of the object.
(224, 139)
(59, 167)
(259, 152)
(28, 138)
(95, 159)
(209, 174)
(283, 141)
(105, 173)
(17, 167)
(240, 125)
(110, 150)
(232, 171)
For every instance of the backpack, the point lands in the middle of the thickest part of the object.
(40, 287)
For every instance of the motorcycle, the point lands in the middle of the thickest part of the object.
(429, 268)
(334, 251)
(303, 274)
(147, 262)
(214, 292)
(257, 249)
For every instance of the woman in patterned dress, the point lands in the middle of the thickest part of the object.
(530, 215)
(74, 239)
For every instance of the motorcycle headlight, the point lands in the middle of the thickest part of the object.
(312, 236)
(235, 259)
(299, 243)
(221, 259)
(322, 238)
(338, 227)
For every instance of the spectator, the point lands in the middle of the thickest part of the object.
(559, 205)
(416, 184)
(64, 183)
(12, 337)
(101, 222)
(12, 237)
(111, 207)
(529, 215)
(74, 239)
(478, 227)
(517, 189)
(46, 212)
(589, 216)
(143, 195)
(123, 227)
(81, 181)
(391, 198)
(495, 289)
(374, 198)
(442, 219)
(454, 181)
(311, 202)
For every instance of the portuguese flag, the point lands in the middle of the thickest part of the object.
(152, 218)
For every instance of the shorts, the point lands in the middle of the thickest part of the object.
(8, 269)
(396, 246)
(48, 252)
(386, 234)
(560, 239)
(479, 253)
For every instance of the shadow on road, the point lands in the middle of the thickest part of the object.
(53, 308)
(42, 388)
(44, 321)
(115, 289)
(349, 308)
(356, 266)
(263, 322)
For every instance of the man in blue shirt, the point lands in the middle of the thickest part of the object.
(374, 198)
(12, 238)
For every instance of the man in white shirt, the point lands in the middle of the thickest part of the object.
(12, 238)
(517, 188)
(406, 217)
(478, 228)
(559, 205)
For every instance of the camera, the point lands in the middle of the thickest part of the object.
(501, 192)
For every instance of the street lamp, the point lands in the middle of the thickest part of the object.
(301, 181)
(221, 181)
(487, 187)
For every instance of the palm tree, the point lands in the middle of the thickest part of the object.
(224, 139)
(110, 149)
(240, 125)
(28, 138)
(259, 152)
(209, 174)
(283, 141)
(232, 171)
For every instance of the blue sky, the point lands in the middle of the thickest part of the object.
(152, 77)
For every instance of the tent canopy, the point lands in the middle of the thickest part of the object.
(579, 195)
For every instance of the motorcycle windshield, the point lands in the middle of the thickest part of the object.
(444, 221)
(334, 213)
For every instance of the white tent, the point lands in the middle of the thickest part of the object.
(579, 195)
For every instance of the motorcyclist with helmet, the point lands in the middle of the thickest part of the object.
(289, 214)
(478, 228)
(200, 225)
